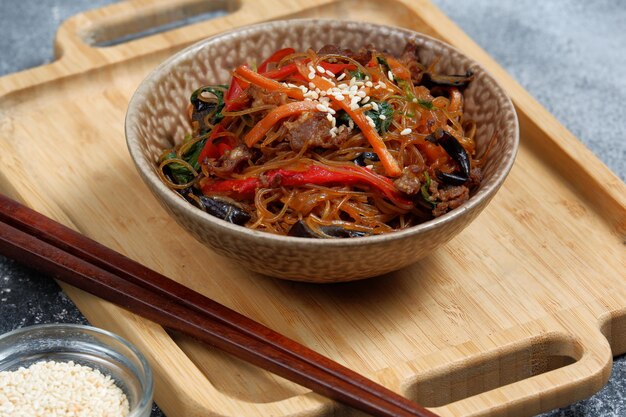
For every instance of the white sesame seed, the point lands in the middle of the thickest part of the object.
(382, 116)
(311, 75)
(351, 124)
(414, 100)
(368, 84)
(339, 97)
(390, 75)
(330, 117)
(311, 94)
(352, 81)
(310, 68)
(330, 74)
(374, 105)
(406, 131)
(311, 86)
(321, 107)
(331, 111)
(369, 166)
(370, 121)
(365, 99)
(341, 77)
(320, 69)
(361, 93)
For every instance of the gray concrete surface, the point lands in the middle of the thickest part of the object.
(570, 55)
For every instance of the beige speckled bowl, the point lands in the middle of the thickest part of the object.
(156, 119)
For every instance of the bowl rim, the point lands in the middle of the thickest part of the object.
(274, 239)
(148, 390)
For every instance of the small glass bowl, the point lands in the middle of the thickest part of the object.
(84, 345)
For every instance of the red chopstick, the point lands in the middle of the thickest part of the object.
(43, 244)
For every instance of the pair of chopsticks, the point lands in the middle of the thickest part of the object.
(45, 245)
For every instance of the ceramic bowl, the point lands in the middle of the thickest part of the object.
(156, 119)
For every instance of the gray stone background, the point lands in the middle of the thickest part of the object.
(569, 54)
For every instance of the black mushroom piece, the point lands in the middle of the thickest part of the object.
(301, 229)
(457, 152)
(366, 158)
(459, 81)
(222, 208)
(207, 103)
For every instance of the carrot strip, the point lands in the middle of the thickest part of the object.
(261, 128)
(267, 83)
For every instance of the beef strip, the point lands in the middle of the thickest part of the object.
(410, 59)
(261, 97)
(310, 129)
(449, 197)
(362, 56)
(408, 182)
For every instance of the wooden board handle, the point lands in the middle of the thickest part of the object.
(92, 38)
(585, 368)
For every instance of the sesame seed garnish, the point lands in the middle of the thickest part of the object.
(341, 77)
(365, 100)
(330, 73)
(406, 131)
(414, 100)
(375, 105)
(320, 69)
(368, 84)
(311, 86)
(311, 75)
(321, 107)
(390, 75)
(382, 116)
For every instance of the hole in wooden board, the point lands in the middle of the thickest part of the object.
(150, 22)
(491, 371)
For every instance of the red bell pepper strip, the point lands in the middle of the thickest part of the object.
(282, 72)
(275, 58)
(235, 98)
(313, 174)
(336, 68)
(212, 149)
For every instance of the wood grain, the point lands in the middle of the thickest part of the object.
(519, 314)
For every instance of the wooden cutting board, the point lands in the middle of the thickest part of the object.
(519, 314)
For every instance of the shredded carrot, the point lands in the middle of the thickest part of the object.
(267, 83)
(261, 128)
